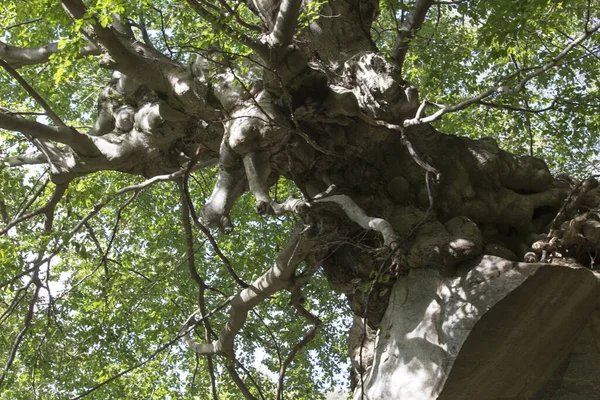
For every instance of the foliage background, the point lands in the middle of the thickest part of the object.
(119, 289)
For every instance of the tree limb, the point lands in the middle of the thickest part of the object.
(506, 90)
(21, 56)
(258, 47)
(189, 241)
(310, 335)
(79, 142)
(285, 23)
(18, 161)
(33, 93)
(31, 21)
(47, 209)
(206, 232)
(278, 277)
(239, 19)
(409, 28)
(357, 214)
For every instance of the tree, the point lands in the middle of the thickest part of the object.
(124, 278)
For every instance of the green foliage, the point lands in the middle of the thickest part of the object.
(464, 49)
(119, 288)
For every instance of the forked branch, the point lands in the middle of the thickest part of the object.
(278, 277)
(503, 89)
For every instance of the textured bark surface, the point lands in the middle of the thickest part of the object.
(497, 331)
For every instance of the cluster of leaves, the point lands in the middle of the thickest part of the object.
(466, 48)
(120, 288)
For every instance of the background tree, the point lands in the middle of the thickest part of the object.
(130, 127)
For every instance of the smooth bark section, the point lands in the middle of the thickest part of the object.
(231, 183)
(408, 30)
(427, 321)
(285, 24)
(357, 214)
(266, 10)
(17, 161)
(518, 345)
(21, 56)
(497, 331)
(257, 169)
(79, 142)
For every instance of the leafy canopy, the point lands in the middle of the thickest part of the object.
(118, 288)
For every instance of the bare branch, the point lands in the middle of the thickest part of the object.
(33, 93)
(20, 56)
(409, 28)
(133, 58)
(310, 335)
(20, 294)
(278, 277)
(239, 19)
(3, 211)
(31, 21)
(505, 90)
(47, 209)
(206, 232)
(519, 109)
(189, 241)
(411, 150)
(258, 47)
(18, 161)
(21, 335)
(357, 214)
(443, 3)
(79, 142)
(28, 201)
(235, 377)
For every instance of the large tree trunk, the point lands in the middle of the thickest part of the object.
(424, 232)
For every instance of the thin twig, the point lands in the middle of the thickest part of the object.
(21, 335)
(506, 90)
(31, 21)
(310, 335)
(205, 230)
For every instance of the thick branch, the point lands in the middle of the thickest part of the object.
(79, 142)
(356, 214)
(144, 64)
(257, 167)
(17, 161)
(285, 24)
(19, 56)
(409, 28)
